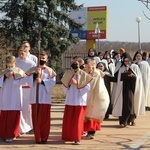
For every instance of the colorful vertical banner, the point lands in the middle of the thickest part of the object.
(97, 15)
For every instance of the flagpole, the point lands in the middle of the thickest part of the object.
(98, 34)
(97, 31)
(38, 65)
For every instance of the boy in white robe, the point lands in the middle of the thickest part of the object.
(41, 99)
(76, 83)
(23, 62)
(10, 103)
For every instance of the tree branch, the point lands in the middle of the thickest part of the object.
(146, 15)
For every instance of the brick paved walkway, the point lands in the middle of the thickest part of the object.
(111, 136)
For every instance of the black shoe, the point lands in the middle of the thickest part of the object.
(128, 123)
(147, 108)
(106, 117)
(43, 142)
(90, 136)
(133, 123)
(30, 132)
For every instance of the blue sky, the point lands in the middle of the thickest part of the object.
(122, 25)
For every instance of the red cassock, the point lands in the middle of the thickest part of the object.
(91, 125)
(41, 125)
(9, 124)
(73, 123)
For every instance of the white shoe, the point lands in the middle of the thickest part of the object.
(90, 136)
(76, 143)
(9, 140)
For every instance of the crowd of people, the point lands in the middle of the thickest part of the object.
(103, 84)
(95, 87)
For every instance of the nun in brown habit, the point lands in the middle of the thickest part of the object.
(123, 106)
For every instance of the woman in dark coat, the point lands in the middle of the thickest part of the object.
(123, 106)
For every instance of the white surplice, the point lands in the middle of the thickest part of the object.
(45, 91)
(12, 92)
(75, 96)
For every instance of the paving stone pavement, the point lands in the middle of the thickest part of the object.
(111, 136)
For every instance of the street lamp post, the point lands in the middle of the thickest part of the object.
(138, 20)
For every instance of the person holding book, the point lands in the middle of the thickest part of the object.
(128, 96)
(11, 81)
(76, 84)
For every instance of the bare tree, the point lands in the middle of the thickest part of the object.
(147, 4)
